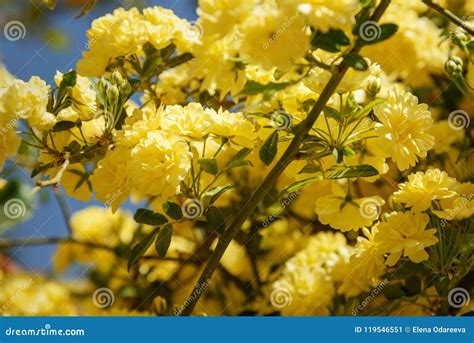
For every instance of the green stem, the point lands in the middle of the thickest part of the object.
(66, 211)
(288, 156)
(449, 15)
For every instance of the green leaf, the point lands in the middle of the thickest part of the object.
(470, 45)
(299, 185)
(356, 61)
(173, 210)
(346, 151)
(367, 109)
(330, 41)
(149, 217)
(238, 159)
(87, 8)
(310, 169)
(341, 172)
(73, 147)
(209, 165)
(41, 168)
(362, 16)
(254, 88)
(163, 240)
(215, 219)
(69, 79)
(141, 247)
(333, 113)
(63, 126)
(269, 149)
(413, 285)
(382, 32)
(213, 194)
(393, 292)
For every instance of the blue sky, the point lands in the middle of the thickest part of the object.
(33, 55)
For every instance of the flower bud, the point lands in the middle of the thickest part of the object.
(113, 93)
(116, 78)
(454, 66)
(159, 305)
(102, 85)
(126, 87)
(374, 86)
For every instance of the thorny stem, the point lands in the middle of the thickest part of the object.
(251, 203)
(449, 15)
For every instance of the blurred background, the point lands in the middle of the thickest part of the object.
(54, 40)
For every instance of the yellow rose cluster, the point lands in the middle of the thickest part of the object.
(281, 157)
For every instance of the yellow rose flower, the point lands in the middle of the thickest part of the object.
(32, 295)
(28, 100)
(424, 187)
(458, 207)
(118, 34)
(191, 120)
(84, 99)
(343, 212)
(325, 14)
(404, 233)
(273, 37)
(365, 267)
(402, 131)
(110, 179)
(96, 225)
(158, 164)
(235, 126)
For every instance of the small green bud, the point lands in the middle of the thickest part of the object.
(374, 86)
(117, 78)
(159, 305)
(454, 65)
(113, 93)
(126, 87)
(102, 85)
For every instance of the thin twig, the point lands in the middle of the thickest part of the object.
(450, 16)
(64, 209)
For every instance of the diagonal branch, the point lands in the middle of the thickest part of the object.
(288, 156)
(450, 16)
